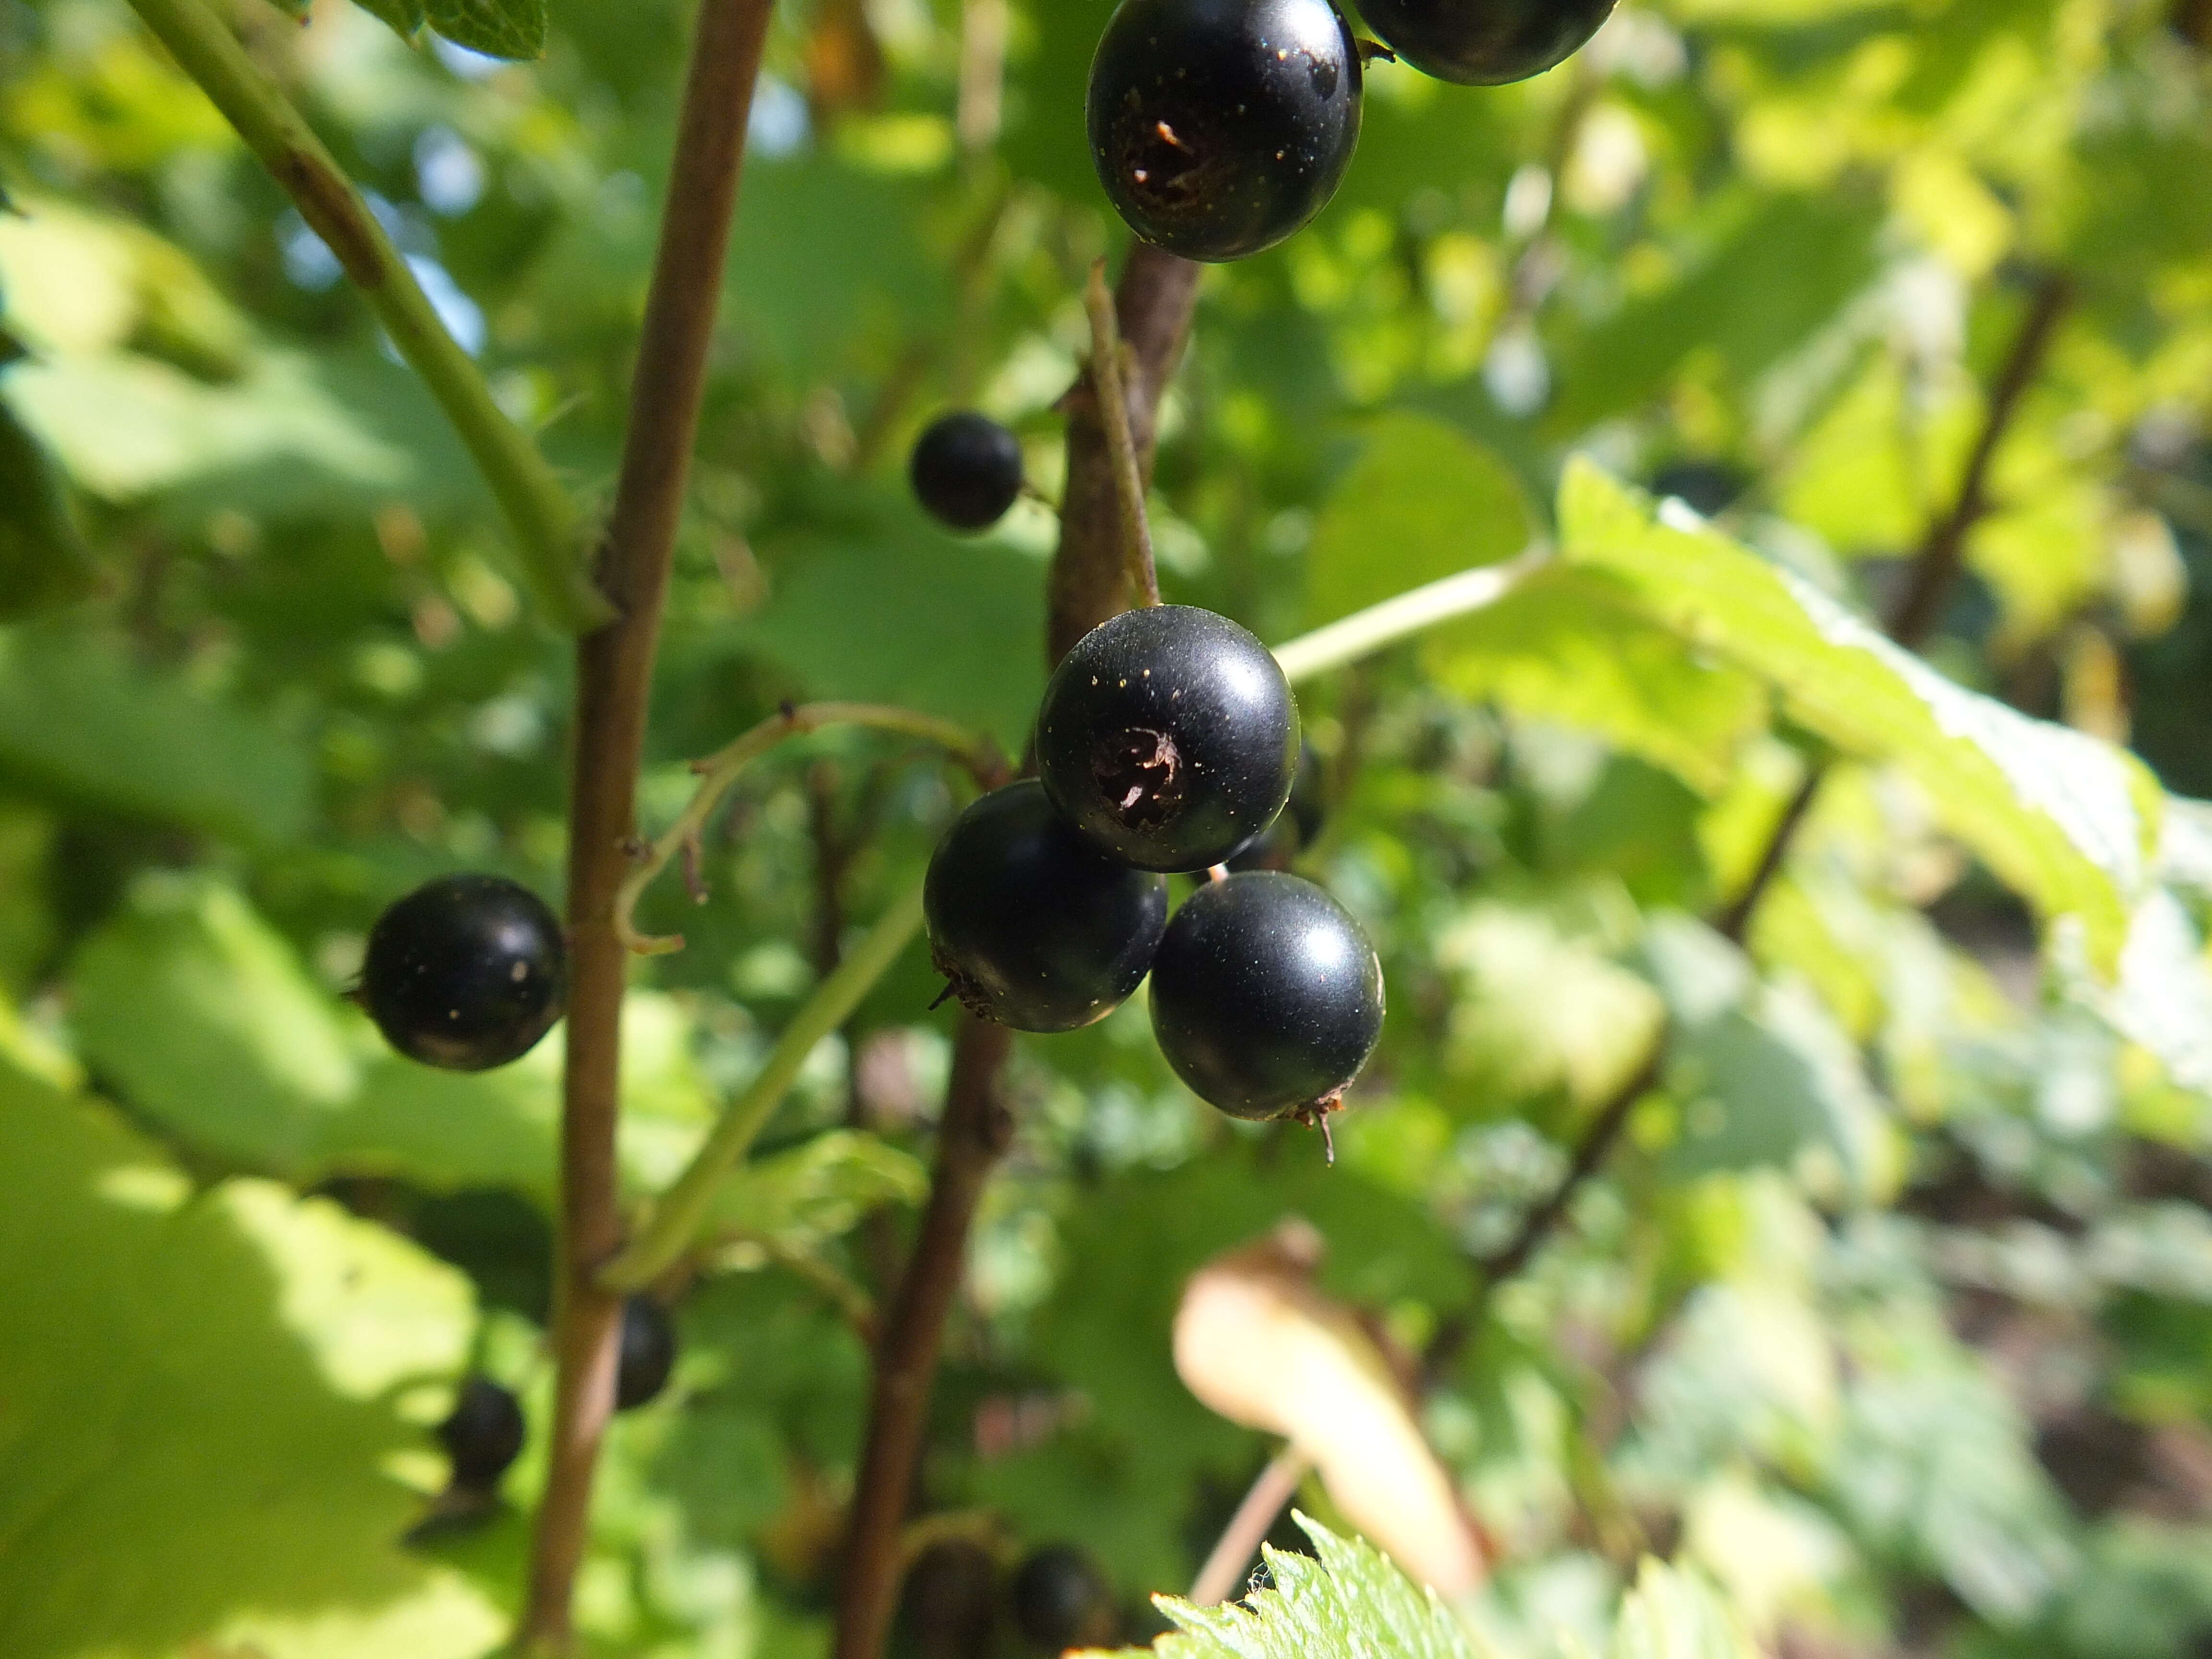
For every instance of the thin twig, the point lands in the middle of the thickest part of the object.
(1254, 1519)
(1114, 411)
(546, 528)
(614, 673)
(719, 771)
(976, 1130)
(1402, 616)
(1936, 564)
(680, 1212)
(1733, 921)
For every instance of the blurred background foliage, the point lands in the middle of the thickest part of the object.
(1893, 1315)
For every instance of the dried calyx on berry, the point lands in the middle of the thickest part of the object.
(466, 973)
(1267, 997)
(1485, 42)
(1219, 127)
(1169, 738)
(966, 471)
(1029, 924)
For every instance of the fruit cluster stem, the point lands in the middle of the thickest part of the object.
(538, 508)
(614, 672)
(679, 1214)
(1090, 578)
(1112, 397)
(1090, 582)
(720, 771)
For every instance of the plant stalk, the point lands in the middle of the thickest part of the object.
(544, 522)
(614, 673)
(1108, 392)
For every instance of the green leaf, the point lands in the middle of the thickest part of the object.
(912, 616)
(818, 1190)
(44, 562)
(1345, 1602)
(1556, 651)
(199, 1417)
(206, 1022)
(405, 18)
(1423, 501)
(78, 721)
(2067, 821)
(1762, 1073)
(513, 29)
(1676, 1614)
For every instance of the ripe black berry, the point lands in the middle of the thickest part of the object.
(948, 1602)
(1267, 997)
(466, 972)
(1061, 1601)
(484, 1435)
(1219, 127)
(1167, 737)
(648, 1352)
(1029, 924)
(966, 471)
(1485, 42)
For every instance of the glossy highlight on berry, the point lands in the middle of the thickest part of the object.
(1220, 127)
(466, 973)
(1168, 736)
(1266, 996)
(1030, 926)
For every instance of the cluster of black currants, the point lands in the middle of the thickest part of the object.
(1167, 741)
(957, 1598)
(482, 1435)
(1220, 127)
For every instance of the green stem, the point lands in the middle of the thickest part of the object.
(677, 1216)
(719, 771)
(1365, 632)
(543, 519)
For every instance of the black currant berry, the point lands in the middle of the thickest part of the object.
(1267, 997)
(1029, 924)
(1297, 827)
(1219, 127)
(1061, 1601)
(948, 1602)
(1485, 42)
(1168, 736)
(648, 1352)
(466, 972)
(484, 1435)
(966, 471)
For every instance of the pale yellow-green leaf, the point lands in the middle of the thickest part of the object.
(2067, 821)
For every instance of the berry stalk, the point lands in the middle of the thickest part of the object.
(719, 771)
